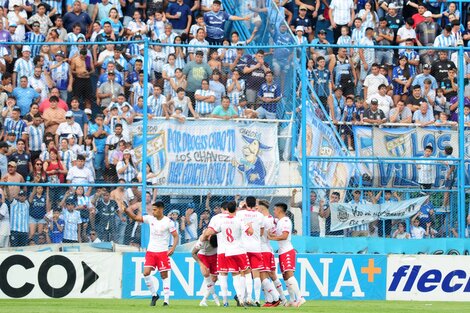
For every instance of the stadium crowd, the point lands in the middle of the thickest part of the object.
(67, 109)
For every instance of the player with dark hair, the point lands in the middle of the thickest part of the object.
(157, 256)
(286, 252)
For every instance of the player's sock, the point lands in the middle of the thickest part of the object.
(248, 287)
(236, 286)
(267, 292)
(257, 287)
(223, 286)
(166, 289)
(269, 288)
(150, 285)
(278, 285)
(295, 288)
(243, 287)
(208, 283)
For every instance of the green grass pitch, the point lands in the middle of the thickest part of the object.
(132, 306)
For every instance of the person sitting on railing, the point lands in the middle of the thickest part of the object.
(400, 114)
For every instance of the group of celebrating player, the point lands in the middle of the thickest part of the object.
(237, 242)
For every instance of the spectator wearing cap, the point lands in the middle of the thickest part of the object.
(374, 115)
(14, 124)
(327, 53)
(384, 37)
(23, 66)
(189, 224)
(125, 168)
(215, 22)
(3, 158)
(195, 72)
(427, 31)
(341, 13)
(424, 116)
(400, 113)
(384, 100)
(18, 16)
(393, 17)
(108, 91)
(299, 36)
(69, 127)
(305, 20)
(12, 176)
(19, 220)
(61, 74)
(72, 219)
(426, 74)
(118, 76)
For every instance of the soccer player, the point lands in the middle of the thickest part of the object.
(205, 254)
(252, 244)
(157, 256)
(236, 259)
(272, 287)
(221, 262)
(286, 252)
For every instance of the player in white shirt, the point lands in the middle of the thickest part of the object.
(272, 286)
(231, 228)
(286, 251)
(252, 244)
(157, 255)
(205, 254)
(221, 263)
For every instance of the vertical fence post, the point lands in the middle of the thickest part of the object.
(294, 123)
(305, 178)
(144, 235)
(461, 172)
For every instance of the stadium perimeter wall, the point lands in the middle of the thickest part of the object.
(321, 276)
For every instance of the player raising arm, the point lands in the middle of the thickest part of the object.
(286, 251)
(157, 255)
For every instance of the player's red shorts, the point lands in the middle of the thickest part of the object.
(256, 260)
(268, 262)
(287, 261)
(221, 263)
(158, 260)
(237, 263)
(210, 261)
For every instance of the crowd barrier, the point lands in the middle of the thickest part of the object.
(320, 276)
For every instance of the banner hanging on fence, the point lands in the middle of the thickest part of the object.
(346, 215)
(206, 153)
(322, 142)
(402, 143)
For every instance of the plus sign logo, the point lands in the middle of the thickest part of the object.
(371, 270)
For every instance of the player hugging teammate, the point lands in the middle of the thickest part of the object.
(237, 240)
